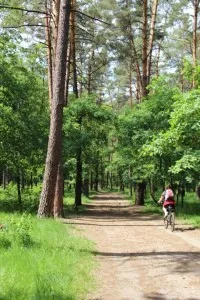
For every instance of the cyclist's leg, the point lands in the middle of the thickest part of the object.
(165, 211)
(165, 219)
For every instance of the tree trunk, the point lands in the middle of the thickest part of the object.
(89, 79)
(49, 54)
(91, 181)
(78, 188)
(140, 187)
(86, 187)
(19, 197)
(130, 179)
(55, 136)
(140, 193)
(55, 17)
(31, 180)
(96, 180)
(102, 174)
(194, 48)
(73, 47)
(151, 38)
(4, 178)
(157, 60)
(144, 50)
(58, 210)
(130, 85)
(111, 181)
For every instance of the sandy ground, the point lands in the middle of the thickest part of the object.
(138, 258)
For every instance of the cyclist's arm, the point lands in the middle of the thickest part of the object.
(162, 198)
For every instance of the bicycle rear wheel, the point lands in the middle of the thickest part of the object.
(172, 221)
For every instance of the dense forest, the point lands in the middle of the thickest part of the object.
(118, 85)
(94, 96)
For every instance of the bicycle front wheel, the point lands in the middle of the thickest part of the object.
(172, 221)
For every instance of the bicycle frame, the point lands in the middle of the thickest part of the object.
(170, 219)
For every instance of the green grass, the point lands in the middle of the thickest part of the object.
(189, 212)
(42, 259)
(55, 264)
(30, 200)
(69, 207)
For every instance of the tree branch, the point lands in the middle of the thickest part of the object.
(93, 18)
(22, 9)
(19, 26)
(98, 68)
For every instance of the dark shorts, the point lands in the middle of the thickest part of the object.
(168, 203)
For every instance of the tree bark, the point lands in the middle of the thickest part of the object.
(55, 136)
(78, 187)
(55, 19)
(151, 38)
(140, 193)
(58, 210)
(96, 180)
(130, 85)
(49, 54)
(86, 187)
(194, 48)
(73, 48)
(144, 50)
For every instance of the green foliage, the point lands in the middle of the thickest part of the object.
(191, 73)
(189, 212)
(23, 112)
(86, 125)
(17, 230)
(176, 147)
(138, 128)
(9, 198)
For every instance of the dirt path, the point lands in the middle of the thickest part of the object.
(138, 258)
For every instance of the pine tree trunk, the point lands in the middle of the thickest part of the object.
(58, 210)
(55, 136)
(130, 85)
(144, 50)
(73, 47)
(49, 53)
(194, 49)
(151, 39)
(78, 188)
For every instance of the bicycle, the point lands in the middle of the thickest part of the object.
(170, 218)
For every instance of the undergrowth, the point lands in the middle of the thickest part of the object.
(41, 259)
(188, 211)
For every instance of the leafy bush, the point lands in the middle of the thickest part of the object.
(17, 232)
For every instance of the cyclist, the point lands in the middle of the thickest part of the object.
(167, 198)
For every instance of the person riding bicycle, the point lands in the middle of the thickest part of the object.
(167, 198)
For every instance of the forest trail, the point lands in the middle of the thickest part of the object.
(138, 258)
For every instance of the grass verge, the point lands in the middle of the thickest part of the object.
(42, 259)
(189, 212)
(53, 264)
